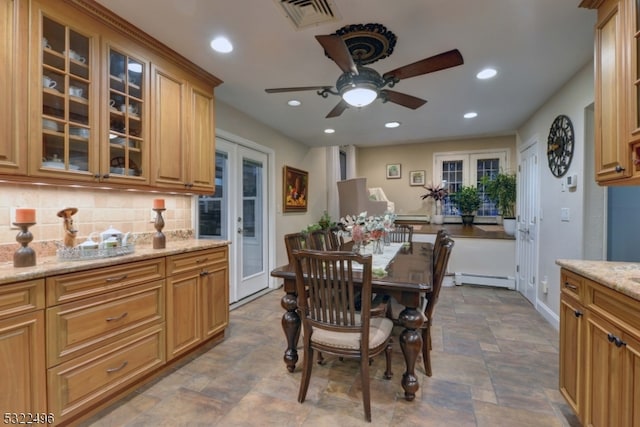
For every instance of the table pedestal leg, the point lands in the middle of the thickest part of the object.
(291, 328)
(411, 345)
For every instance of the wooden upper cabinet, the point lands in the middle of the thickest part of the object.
(169, 131)
(184, 132)
(202, 148)
(63, 121)
(617, 91)
(13, 153)
(104, 103)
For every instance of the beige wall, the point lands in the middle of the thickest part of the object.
(371, 163)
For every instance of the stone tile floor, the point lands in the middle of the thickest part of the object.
(494, 358)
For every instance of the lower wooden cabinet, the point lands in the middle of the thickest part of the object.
(600, 354)
(22, 356)
(72, 342)
(197, 298)
(95, 376)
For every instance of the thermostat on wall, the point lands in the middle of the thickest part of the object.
(572, 181)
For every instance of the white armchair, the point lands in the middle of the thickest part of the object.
(378, 194)
(354, 198)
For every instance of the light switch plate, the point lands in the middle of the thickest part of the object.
(564, 214)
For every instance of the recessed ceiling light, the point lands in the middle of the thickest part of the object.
(487, 73)
(293, 102)
(221, 44)
(470, 115)
(329, 130)
(392, 125)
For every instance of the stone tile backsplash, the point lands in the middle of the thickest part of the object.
(97, 210)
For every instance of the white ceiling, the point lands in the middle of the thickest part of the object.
(536, 46)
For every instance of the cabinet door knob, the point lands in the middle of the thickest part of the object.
(619, 168)
(619, 343)
(577, 313)
(611, 337)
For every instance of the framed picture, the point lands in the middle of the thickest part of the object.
(393, 171)
(416, 177)
(295, 189)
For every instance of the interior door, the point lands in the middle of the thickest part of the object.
(527, 234)
(237, 212)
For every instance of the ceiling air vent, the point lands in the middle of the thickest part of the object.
(304, 13)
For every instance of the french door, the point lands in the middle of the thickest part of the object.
(237, 212)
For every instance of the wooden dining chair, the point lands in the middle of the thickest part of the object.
(439, 270)
(295, 241)
(440, 263)
(437, 244)
(401, 233)
(325, 240)
(330, 321)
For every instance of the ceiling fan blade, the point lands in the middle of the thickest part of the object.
(438, 62)
(296, 89)
(337, 110)
(403, 99)
(337, 50)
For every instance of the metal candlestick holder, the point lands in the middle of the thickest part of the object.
(159, 239)
(24, 256)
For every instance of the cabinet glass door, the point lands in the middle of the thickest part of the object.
(66, 87)
(126, 111)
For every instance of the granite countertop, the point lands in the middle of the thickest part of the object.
(49, 266)
(623, 277)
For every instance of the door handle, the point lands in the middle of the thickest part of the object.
(240, 230)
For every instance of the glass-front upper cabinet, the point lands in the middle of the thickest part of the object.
(128, 147)
(68, 122)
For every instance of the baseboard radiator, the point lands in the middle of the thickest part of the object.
(478, 279)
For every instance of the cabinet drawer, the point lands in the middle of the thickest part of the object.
(73, 286)
(194, 260)
(77, 327)
(572, 284)
(77, 384)
(615, 307)
(21, 297)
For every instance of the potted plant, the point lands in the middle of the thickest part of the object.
(501, 190)
(468, 201)
(438, 193)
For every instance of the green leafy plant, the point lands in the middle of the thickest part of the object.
(323, 223)
(467, 200)
(501, 190)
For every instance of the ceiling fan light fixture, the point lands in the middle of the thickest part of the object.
(360, 96)
(392, 125)
(487, 73)
(470, 115)
(329, 131)
(293, 103)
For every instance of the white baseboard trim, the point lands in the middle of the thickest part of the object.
(477, 279)
(548, 314)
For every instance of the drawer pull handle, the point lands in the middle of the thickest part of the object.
(570, 286)
(204, 273)
(117, 279)
(113, 319)
(201, 260)
(112, 370)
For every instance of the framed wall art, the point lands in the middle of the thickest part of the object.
(393, 171)
(416, 177)
(295, 189)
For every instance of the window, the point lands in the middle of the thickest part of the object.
(459, 169)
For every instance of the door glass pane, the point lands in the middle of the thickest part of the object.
(452, 176)
(212, 210)
(491, 168)
(66, 88)
(252, 213)
(126, 112)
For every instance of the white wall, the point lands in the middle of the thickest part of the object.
(558, 239)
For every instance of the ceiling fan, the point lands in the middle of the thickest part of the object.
(359, 86)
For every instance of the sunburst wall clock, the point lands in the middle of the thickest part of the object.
(560, 145)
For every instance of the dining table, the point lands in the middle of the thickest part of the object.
(403, 271)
